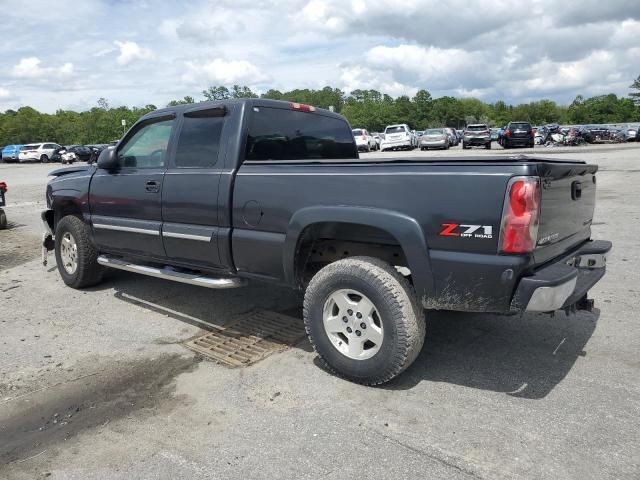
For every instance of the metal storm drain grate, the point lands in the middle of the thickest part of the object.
(250, 338)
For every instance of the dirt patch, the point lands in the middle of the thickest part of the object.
(17, 246)
(32, 423)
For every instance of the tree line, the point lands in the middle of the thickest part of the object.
(363, 108)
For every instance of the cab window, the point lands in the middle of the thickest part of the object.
(147, 147)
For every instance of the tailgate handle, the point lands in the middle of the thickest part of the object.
(576, 190)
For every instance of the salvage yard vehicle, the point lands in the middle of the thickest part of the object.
(435, 138)
(476, 135)
(518, 134)
(397, 137)
(364, 140)
(11, 153)
(38, 151)
(3, 216)
(219, 193)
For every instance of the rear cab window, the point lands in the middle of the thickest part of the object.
(281, 134)
(199, 140)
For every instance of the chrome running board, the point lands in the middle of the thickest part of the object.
(169, 273)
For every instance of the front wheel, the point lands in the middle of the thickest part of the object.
(76, 255)
(44, 159)
(363, 319)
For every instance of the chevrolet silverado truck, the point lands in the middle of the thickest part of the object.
(218, 194)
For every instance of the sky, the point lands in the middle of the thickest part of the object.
(68, 53)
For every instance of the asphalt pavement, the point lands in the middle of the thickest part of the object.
(97, 384)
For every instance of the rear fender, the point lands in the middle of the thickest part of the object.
(404, 229)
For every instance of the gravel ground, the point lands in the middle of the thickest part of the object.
(96, 384)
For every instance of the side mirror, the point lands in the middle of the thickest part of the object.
(108, 160)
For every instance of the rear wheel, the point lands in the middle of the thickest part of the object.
(363, 319)
(44, 159)
(487, 146)
(464, 146)
(3, 220)
(76, 256)
(505, 144)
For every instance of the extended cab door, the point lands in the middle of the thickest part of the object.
(191, 225)
(125, 204)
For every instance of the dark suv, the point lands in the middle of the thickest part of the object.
(518, 134)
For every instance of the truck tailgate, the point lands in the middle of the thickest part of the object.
(568, 198)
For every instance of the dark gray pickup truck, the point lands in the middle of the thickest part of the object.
(215, 194)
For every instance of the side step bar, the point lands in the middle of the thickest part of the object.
(170, 274)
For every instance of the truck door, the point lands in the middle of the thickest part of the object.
(126, 208)
(190, 228)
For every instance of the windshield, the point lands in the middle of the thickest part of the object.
(520, 126)
(394, 130)
(435, 131)
(476, 128)
(357, 133)
(29, 147)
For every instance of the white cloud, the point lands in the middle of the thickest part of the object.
(131, 52)
(30, 68)
(4, 93)
(223, 71)
(518, 51)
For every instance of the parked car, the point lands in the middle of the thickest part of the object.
(378, 138)
(82, 152)
(518, 134)
(435, 138)
(267, 190)
(631, 133)
(11, 153)
(452, 137)
(38, 151)
(96, 149)
(364, 140)
(397, 137)
(495, 134)
(594, 133)
(476, 135)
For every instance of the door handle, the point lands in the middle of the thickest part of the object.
(152, 186)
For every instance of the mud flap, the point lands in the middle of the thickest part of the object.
(48, 242)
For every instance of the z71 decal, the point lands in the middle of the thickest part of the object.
(466, 231)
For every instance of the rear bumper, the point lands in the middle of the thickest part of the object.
(563, 283)
(522, 141)
(395, 143)
(434, 143)
(477, 140)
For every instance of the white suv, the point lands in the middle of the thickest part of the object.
(37, 151)
(396, 137)
(364, 140)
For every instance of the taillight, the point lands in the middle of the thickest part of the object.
(520, 219)
(3, 186)
(302, 107)
(507, 132)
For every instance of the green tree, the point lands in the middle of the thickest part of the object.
(216, 93)
(635, 96)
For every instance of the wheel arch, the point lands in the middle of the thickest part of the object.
(406, 231)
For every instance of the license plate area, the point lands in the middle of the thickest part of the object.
(594, 260)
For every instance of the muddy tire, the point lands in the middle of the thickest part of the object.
(76, 255)
(363, 320)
